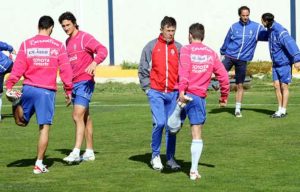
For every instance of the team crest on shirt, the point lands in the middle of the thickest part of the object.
(54, 52)
(172, 51)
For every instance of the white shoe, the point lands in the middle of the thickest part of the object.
(72, 158)
(38, 169)
(172, 164)
(87, 157)
(13, 95)
(238, 114)
(195, 175)
(156, 163)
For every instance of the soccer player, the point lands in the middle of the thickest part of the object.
(81, 48)
(5, 66)
(37, 61)
(284, 53)
(238, 48)
(158, 75)
(197, 64)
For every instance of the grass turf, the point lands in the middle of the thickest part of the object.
(252, 153)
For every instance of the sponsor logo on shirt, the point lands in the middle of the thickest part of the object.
(199, 68)
(34, 42)
(38, 52)
(201, 58)
(42, 62)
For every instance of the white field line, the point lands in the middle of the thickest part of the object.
(97, 104)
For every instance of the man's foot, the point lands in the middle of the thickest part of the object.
(156, 163)
(238, 114)
(87, 157)
(13, 95)
(172, 164)
(72, 158)
(40, 169)
(194, 175)
(277, 114)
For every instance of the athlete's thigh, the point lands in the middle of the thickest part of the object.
(44, 106)
(240, 71)
(157, 104)
(285, 74)
(83, 89)
(196, 110)
(227, 62)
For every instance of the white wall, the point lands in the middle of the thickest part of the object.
(136, 22)
(19, 18)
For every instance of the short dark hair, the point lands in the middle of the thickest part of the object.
(168, 21)
(197, 31)
(268, 18)
(243, 8)
(45, 22)
(68, 16)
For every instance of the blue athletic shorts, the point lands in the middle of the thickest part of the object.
(39, 101)
(82, 93)
(196, 110)
(239, 66)
(283, 74)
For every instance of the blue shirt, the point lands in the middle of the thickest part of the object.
(5, 61)
(241, 39)
(283, 48)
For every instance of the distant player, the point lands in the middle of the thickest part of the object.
(38, 60)
(85, 53)
(6, 65)
(238, 48)
(197, 64)
(284, 53)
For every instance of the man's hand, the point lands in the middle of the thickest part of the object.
(91, 68)
(68, 100)
(297, 66)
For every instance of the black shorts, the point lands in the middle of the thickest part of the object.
(240, 68)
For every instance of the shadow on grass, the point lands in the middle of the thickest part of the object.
(68, 151)
(185, 165)
(30, 162)
(231, 110)
(4, 116)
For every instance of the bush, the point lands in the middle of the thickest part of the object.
(129, 65)
(259, 67)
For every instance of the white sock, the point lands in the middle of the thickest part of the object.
(39, 163)
(238, 107)
(76, 151)
(0, 104)
(196, 150)
(89, 151)
(283, 110)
